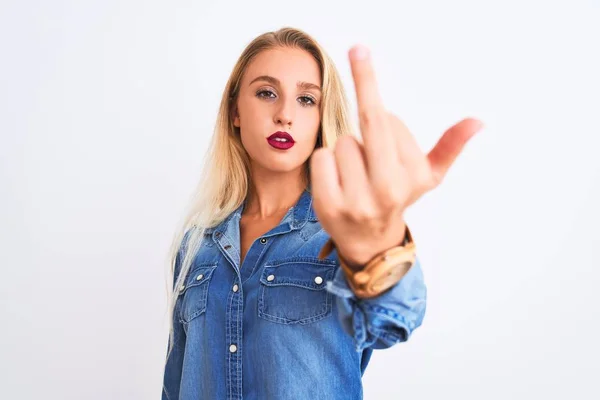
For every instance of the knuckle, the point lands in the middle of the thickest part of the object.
(345, 141)
(361, 217)
(394, 196)
(346, 211)
(328, 213)
(390, 199)
(370, 118)
(397, 122)
(424, 179)
(362, 214)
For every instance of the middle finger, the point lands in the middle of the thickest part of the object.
(378, 140)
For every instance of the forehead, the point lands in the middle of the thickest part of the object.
(286, 64)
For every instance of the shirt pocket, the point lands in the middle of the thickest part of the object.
(292, 291)
(193, 294)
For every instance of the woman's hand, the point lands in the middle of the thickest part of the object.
(361, 190)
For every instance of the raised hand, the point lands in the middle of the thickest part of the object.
(361, 190)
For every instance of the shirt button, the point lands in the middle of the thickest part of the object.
(199, 277)
(263, 240)
(181, 288)
(232, 348)
(235, 288)
(318, 280)
(270, 277)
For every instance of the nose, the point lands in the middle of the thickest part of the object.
(285, 113)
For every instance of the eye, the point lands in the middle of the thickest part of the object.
(307, 101)
(265, 94)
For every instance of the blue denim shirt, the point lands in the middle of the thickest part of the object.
(285, 324)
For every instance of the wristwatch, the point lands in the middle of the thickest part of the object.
(382, 272)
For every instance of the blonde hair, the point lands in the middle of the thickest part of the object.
(225, 177)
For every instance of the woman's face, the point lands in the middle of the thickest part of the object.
(280, 92)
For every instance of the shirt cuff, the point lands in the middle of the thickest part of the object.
(384, 320)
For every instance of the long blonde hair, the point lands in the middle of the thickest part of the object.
(225, 176)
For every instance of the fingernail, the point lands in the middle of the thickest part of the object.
(480, 124)
(359, 52)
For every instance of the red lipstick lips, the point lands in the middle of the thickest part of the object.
(281, 140)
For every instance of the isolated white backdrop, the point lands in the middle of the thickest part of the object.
(106, 108)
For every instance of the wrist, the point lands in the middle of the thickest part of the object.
(358, 264)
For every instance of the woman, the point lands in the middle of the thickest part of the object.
(258, 310)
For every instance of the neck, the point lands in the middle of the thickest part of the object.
(273, 194)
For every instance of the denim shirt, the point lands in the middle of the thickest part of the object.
(285, 324)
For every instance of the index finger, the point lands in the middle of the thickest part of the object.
(365, 83)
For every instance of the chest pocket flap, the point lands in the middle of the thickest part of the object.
(293, 290)
(194, 293)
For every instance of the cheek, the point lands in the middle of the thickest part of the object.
(251, 112)
(312, 120)
(254, 123)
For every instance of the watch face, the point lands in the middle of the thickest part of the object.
(389, 277)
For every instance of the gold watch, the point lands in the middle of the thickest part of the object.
(382, 272)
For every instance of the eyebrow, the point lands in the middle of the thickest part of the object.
(274, 81)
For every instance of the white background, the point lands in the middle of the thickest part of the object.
(106, 108)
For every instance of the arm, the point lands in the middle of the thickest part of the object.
(175, 348)
(386, 319)
(174, 363)
(361, 190)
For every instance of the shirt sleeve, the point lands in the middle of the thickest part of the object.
(174, 364)
(174, 359)
(384, 320)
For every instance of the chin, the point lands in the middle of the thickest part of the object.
(277, 164)
(282, 167)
